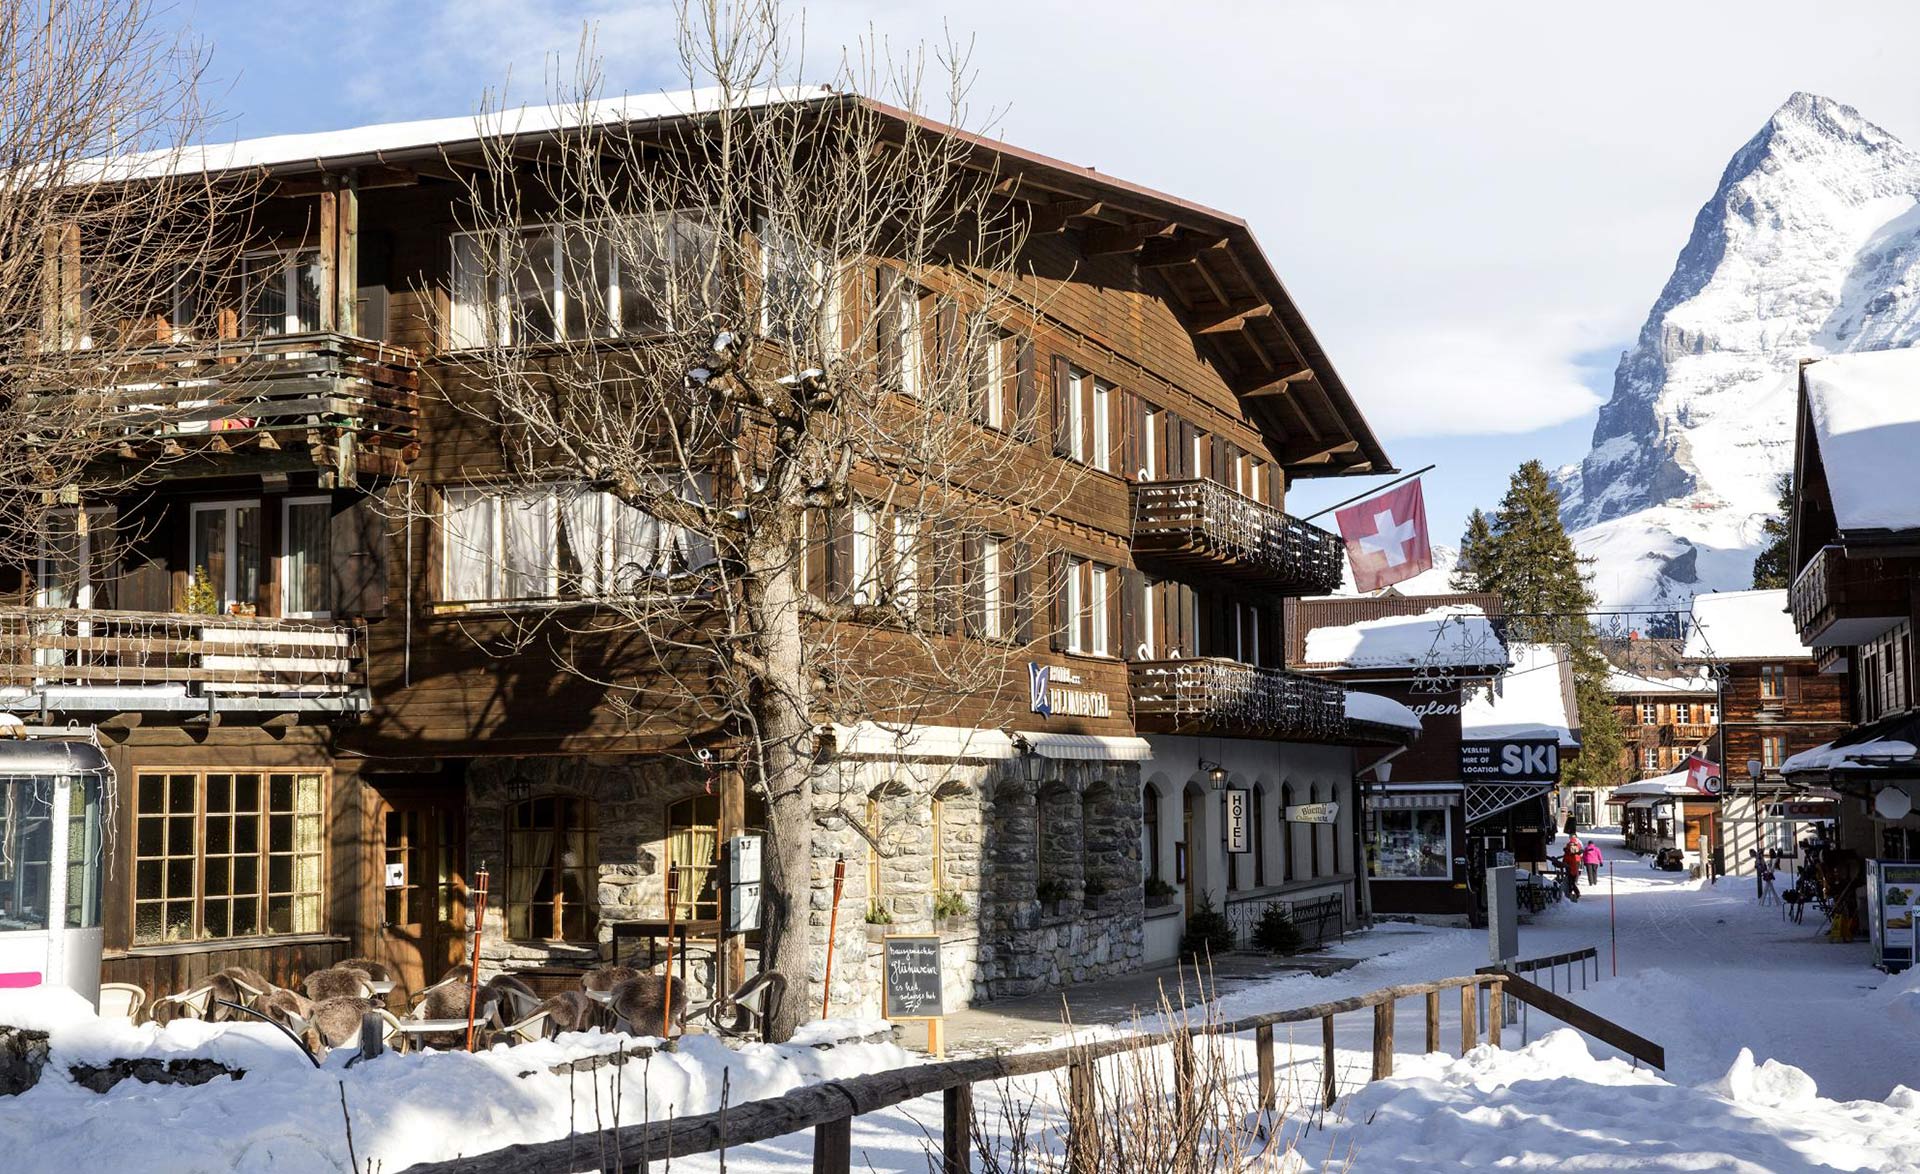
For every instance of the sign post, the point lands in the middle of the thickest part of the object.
(1503, 916)
(910, 968)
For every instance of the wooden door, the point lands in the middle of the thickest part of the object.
(424, 891)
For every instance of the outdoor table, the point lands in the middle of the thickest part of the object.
(415, 1028)
(381, 988)
(654, 929)
(603, 998)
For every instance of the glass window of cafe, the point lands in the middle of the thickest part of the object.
(1412, 845)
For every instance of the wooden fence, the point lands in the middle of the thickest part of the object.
(829, 1108)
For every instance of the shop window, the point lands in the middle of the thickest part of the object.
(227, 855)
(552, 869)
(693, 850)
(1412, 845)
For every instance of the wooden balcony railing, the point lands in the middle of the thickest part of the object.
(356, 400)
(1210, 695)
(71, 659)
(1837, 600)
(1205, 526)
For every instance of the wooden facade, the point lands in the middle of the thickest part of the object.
(395, 691)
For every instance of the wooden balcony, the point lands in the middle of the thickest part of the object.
(1227, 698)
(348, 406)
(70, 660)
(1837, 600)
(1203, 526)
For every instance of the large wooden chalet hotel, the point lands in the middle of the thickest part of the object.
(301, 640)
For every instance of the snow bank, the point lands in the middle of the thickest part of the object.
(286, 1115)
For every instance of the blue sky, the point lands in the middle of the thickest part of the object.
(1474, 203)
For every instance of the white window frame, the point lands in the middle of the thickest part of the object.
(1650, 758)
(289, 266)
(83, 554)
(1077, 413)
(1713, 713)
(286, 536)
(500, 299)
(1097, 584)
(1076, 599)
(1101, 408)
(1152, 424)
(865, 579)
(231, 564)
(912, 352)
(1148, 644)
(991, 625)
(1649, 713)
(495, 552)
(904, 589)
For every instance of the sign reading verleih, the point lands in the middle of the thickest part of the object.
(912, 964)
(1510, 762)
(1314, 813)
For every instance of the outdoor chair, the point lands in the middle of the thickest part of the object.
(192, 1004)
(517, 1000)
(122, 1000)
(237, 984)
(572, 1011)
(375, 970)
(339, 982)
(605, 978)
(534, 1027)
(639, 1005)
(286, 1007)
(746, 1012)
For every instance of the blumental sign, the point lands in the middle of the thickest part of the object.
(1049, 697)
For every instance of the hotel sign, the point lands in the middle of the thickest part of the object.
(1238, 821)
(1053, 692)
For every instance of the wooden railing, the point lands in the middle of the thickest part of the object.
(270, 392)
(829, 1108)
(1205, 525)
(1209, 694)
(256, 663)
(1833, 588)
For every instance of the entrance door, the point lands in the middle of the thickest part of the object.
(1183, 854)
(424, 890)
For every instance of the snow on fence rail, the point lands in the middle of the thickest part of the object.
(829, 1108)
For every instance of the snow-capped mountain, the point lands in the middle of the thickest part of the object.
(1810, 245)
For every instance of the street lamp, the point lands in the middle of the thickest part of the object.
(1754, 769)
(1216, 775)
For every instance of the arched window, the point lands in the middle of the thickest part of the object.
(1149, 832)
(552, 861)
(693, 844)
(1287, 796)
(1259, 837)
(1313, 836)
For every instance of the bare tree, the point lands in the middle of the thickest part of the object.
(766, 367)
(110, 220)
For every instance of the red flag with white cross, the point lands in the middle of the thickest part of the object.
(1703, 775)
(1386, 537)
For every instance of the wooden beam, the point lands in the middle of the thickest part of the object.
(1046, 219)
(1327, 456)
(1171, 252)
(1234, 320)
(1285, 385)
(1109, 239)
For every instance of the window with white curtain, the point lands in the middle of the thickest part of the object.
(506, 545)
(991, 624)
(306, 573)
(281, 291)
(1101, 411)
(1097, 603)
(798, 295)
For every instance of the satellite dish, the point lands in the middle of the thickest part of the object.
(1892, 803)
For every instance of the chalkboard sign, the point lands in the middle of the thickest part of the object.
(912, 976)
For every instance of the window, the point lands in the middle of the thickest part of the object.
(226, 546)
(1076, 601)
(1650, 758)
(281, 292)
(992, 623)
(693, 849)
(1150, 832)
(1086, 619)
(26, 854)
(886, 559)
(989, 366)
(227, 854)
(1649, 714)
(903, 571)
(903, 340)
(1086, 418)
(306, 577)
(797, 291)
(552, 869)
(1683, 713)
(1773, 682)
(507, 545)
(1153, 426)
(1712, 716)
(603, 279)
(1098, 577)
(1079, 386)
(1773, 751)
(1412, 845)
(1101, 411)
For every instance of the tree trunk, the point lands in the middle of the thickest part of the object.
(780, 711)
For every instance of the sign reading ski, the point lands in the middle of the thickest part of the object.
(1510, 761)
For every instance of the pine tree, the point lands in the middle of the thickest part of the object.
(1475, 552)
(1770, 569)
(1526, 556)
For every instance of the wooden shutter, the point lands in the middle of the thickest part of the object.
(1119, 432)
(950, 359)
(1133, 598)
(979, 345)
(359, 555)
(1021, 597)
(839, 541)
(1793, 685)
(1062, 443)
(1276, 486)
(1117, 597)
(1271, 654)
(973, 586)
(815, 531)
(886, 324)
(1026, 395)
(1216, 450)
(1082, 573)
(1056, 593)
(1182, 455)
(942, 604)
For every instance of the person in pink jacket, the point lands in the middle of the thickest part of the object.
(1591, 858)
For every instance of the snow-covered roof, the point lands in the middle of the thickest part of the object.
(1743, 625)
(1533, 698)
(1621, 683)
(389, 138)
(1452, 636)
(1673, 784)
(1866, 420)
(1381, 711)
(1859, 756)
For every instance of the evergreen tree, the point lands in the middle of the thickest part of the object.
(1475, 552)
(1770, 569)
(1527, 557)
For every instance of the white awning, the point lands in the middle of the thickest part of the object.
(1412, 801)
(1643, 804)
(1088, 747)
(873, 739)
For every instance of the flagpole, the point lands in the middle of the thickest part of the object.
(1369, 493)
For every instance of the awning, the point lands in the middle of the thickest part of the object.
(1643, 804)
(1411, 801)
(1087, 747)
(872, 739)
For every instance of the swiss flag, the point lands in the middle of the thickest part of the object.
(1702, 775)
(1386, 537)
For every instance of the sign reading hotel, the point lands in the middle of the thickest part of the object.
(1238, 837)
(1051, 696)
(1510, 762)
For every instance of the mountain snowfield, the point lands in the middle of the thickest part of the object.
(1809, 246)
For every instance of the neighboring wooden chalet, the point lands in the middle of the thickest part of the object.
(315, 762)
(1665, 719)
(1855, 597)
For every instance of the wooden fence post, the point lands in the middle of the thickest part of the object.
(833, 1147)
(1496, 1010)
(1083, 1144)
(1469, 1018)
(1263, 1046)
(956, 1122)
(1329, 1078)
(1433, 1021)
(1383, 1039)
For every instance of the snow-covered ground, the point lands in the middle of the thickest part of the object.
(1785, 1053)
